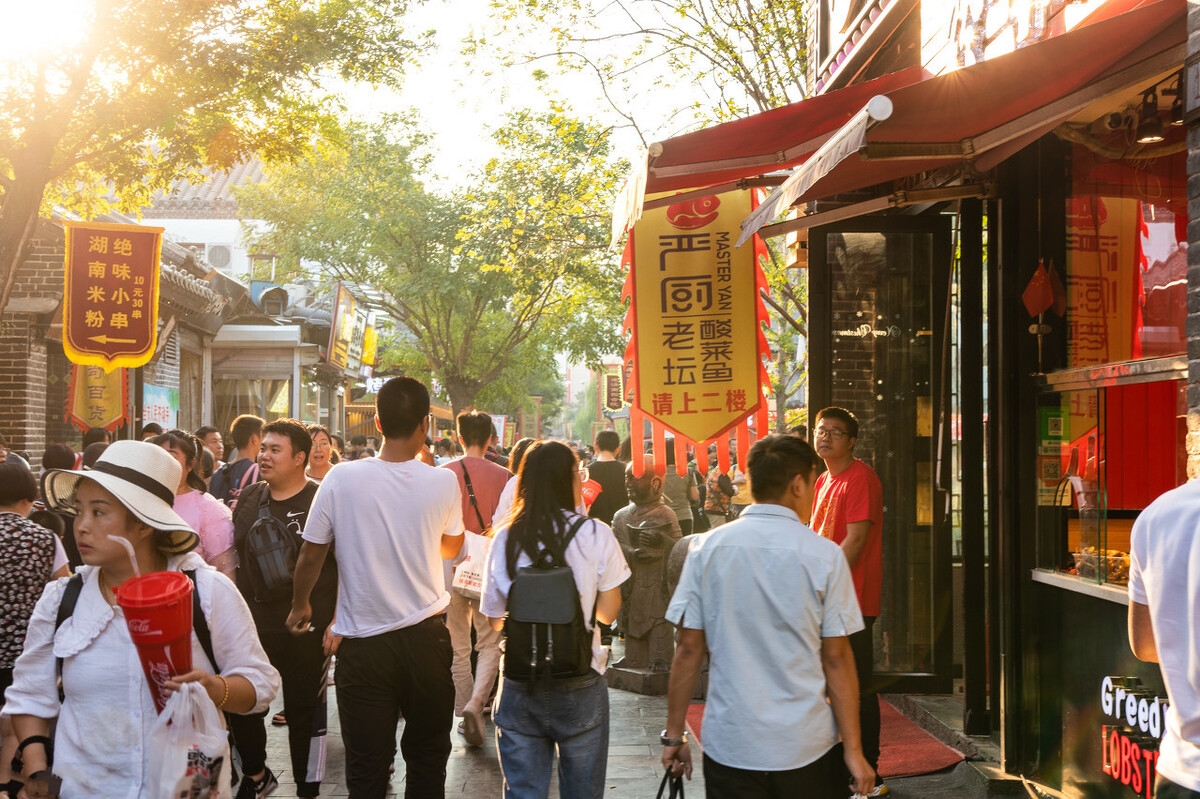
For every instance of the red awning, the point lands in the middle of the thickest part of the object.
(773, 140)
(986, 112)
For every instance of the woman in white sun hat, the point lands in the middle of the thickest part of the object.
(101, 741)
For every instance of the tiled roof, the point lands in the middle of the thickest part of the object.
(213, 195)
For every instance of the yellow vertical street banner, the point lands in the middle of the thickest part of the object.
(110, 294)
(96, 398)
(696, 340)
(1103, 280)
(341, 329)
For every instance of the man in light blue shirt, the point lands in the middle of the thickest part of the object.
(774, 604)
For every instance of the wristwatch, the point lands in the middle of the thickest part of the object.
(667, 741)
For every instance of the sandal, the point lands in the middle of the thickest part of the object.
(278, 720)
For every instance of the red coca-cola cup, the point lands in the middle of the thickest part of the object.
(158, 611)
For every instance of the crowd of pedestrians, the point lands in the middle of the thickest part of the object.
(379, 577)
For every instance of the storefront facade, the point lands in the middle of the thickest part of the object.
(998, 278)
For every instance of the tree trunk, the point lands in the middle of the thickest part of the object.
(462, 393)
(19, 216)
(781, 391)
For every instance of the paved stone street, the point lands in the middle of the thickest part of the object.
(633, 768)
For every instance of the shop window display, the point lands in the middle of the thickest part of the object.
(1112, 424)
(1103, 455)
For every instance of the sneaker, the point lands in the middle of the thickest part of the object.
(878, 790)
(250, 789)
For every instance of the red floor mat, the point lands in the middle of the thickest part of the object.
(905, 751)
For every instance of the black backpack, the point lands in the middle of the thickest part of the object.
(547, 636)
(228, 486)
(269, 553)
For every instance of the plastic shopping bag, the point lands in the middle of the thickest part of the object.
(468, 574)
(189, 749)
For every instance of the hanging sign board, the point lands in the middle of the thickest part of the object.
(110, 295)
(96, 398)
(696, 341)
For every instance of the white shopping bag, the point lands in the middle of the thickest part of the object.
(189, 749)
(468, 574)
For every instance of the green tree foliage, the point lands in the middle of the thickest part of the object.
(484, 285)
(151, 90)
(742, 55)
(787, 302)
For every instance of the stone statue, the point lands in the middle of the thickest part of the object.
(647, 529)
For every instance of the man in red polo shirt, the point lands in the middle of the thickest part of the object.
(848, 510)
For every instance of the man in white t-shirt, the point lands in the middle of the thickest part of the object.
(774, 604)
(394, 518)
(1164, 617)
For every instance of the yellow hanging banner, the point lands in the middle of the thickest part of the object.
(694, 314)
(96, 398)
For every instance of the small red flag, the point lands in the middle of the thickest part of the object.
(1039, 294)
(1058, 290)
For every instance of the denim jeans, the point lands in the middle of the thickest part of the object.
(532, 718)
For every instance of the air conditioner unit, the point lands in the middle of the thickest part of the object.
(219, 255)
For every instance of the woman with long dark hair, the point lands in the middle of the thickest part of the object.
(535, 717)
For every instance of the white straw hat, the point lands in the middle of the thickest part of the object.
(143, 477)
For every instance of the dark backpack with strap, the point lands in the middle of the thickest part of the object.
(66, 607)
(269, 553)
(227, 486)
(547, 636)
(70, 598)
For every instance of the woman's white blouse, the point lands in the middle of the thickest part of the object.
(104, 722)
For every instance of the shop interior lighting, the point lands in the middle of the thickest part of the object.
(1177, 103)
(1150, 126)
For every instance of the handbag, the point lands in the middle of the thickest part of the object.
(189, 748)
(671, 786)
(468, 574)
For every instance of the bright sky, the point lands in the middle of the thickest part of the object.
(460, 101)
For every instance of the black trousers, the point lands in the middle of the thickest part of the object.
(862, 643)
(378, 678)
(303, 670)
(821, 779)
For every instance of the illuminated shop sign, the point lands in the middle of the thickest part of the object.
(1129, 739)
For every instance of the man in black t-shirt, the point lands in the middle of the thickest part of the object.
(303, 661)
(610, 474)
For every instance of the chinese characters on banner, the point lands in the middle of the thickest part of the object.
(96, 398)
(696, 339)
(613, 389)
(110, 297)
(1104, 280)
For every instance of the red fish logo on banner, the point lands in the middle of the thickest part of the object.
(110, 298)
(695, 320)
